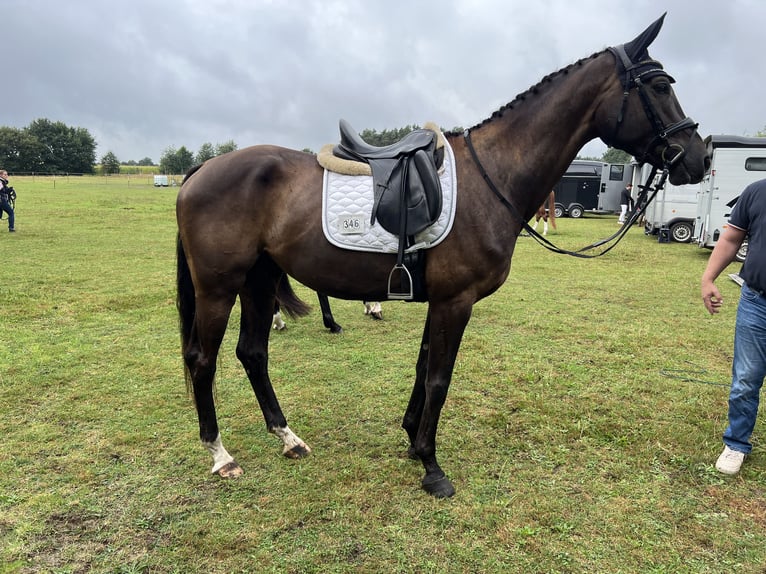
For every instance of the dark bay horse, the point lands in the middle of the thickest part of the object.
(324, 304)
(248, 217)
(371, 308)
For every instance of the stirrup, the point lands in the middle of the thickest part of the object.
(403, 295)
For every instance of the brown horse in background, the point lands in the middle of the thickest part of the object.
(248, 217)
(546, 211)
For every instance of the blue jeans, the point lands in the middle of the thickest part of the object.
(6, 207)
(748, 369)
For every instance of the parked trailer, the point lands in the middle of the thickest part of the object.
(735, 163)
(674, 209)
(591, 186)
(614, 178)
(160, 181)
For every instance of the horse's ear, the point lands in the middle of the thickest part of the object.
(636, 49)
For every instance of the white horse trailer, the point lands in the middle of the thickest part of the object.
(736, 162)
(674, 209)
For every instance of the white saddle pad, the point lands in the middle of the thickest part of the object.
(347, 207)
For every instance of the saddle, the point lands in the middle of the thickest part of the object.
(407, 195)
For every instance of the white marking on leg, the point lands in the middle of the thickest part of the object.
(367, 308)
(290, 439)
(545, 227)
(278, 323)
(220, 457)
(376, 308)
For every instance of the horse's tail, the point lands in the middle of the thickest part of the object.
(288, 301)
(185, 302)
(552, 208)
(191, 172)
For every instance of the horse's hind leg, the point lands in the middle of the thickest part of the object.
(257, 299)
(200, 357)
(327, 319)
(277, 321)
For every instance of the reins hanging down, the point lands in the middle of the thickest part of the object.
(642, 203)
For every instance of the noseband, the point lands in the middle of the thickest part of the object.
(634, 76)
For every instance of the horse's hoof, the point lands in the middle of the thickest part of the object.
(438, 487)
(298, 451)
(230, 470)
(337, 329)
(377, 315)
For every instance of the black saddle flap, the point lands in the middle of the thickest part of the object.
(423, 195)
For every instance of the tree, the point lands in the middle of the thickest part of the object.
(110, 164)
(64, 149)
(386, 137)
(206, 152)
(146, 161)
(20, 151)
(167, 160)
(82, 151)
(185, 159)
(614, 155)
(176, 161)
(225, 147)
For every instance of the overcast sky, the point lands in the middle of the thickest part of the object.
(145, 75)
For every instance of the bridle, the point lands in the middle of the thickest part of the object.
(634, 76)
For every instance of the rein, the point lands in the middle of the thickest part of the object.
(642, 202)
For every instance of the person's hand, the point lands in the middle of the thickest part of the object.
(711, 297)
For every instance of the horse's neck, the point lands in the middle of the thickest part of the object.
(529, 146)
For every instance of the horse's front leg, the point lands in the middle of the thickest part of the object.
(414, 412)
(252, 351)
(373, 309)
(444, 331)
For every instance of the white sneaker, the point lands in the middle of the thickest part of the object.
(730, 461)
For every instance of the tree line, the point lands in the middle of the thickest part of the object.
(53, 147)
(47, 147)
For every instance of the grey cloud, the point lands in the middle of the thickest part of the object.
(145, 75)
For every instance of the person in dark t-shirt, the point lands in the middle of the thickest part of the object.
(747, 220)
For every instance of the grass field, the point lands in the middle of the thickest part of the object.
(580, 430)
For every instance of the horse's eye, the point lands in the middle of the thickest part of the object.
(662, 88)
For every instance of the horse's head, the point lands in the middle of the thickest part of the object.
(641, 115)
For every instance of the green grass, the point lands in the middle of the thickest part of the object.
(574, 437)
